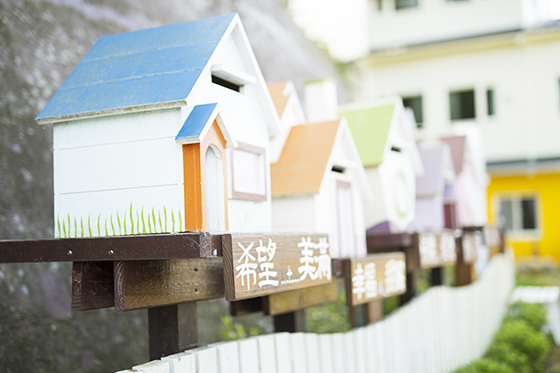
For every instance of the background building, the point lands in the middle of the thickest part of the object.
(485, 65)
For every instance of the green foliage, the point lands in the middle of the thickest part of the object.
(230, 330)
(505, 353)
(328, 318)
(180, 222)
(519, 346)
(486, 365)
(532, 314)
(390, 304)
(522, 337)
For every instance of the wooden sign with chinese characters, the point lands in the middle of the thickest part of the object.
(492, 239)
(257, 265)
(469, 246)
(374, 277)
(436, 249)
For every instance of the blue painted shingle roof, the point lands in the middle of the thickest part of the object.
(196, 121)
(139, 68)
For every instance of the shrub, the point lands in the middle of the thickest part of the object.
(505, 353)
(533, 314)
(231, 331)
(522, 337)
(328, 318)
(486, 365)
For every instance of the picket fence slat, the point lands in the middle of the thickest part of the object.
(299, 354)
(360, 350)
(348, 344)
(184, 362)
(338, 355)
(156, 366)
(326, 353)
(228, 357)
(248, 355)
(439, 331)
(283, 353)
(207, 360)
(267, 353)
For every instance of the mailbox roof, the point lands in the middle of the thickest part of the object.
(145, 68)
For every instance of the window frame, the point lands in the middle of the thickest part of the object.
(459, 91)
(256, 197)
(491, 113)
(415, 6)
(518, 234)
(419, 124)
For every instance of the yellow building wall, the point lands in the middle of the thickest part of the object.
(547, 189)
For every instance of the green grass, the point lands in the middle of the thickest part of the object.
(132, 218)
(543, 277)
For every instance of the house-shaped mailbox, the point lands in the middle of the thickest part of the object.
(435, 188)
(289, 111)
(469, 208)
(318, 182)
(384, 136)
(164, 129)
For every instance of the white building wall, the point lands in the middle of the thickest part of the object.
(103, 166)
(527, 99)
(436, 20)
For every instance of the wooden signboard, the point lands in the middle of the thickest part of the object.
(375, 277)
(469, 246)
(492, 238)
(436, 249)
(295, 300)
(257, 265)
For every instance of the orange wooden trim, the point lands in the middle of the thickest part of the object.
(214, 137)
(193, 180)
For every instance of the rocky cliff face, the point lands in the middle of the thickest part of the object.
(40, 44)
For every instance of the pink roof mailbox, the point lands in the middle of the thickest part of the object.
(435, 188)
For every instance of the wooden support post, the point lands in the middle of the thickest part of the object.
(411, 287)
(290, 322)
(465, 274)
(358, 315)
(245, 306)
(375, 311)
(437, 276)
(172, 329)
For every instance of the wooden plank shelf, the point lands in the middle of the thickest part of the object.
(137, 247)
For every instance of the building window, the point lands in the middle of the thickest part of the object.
(248, 170)
(403, 4)
(461, 104)
(518, 215)
(490, 102)
(415, 103)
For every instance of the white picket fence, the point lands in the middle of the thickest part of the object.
(439, 331)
